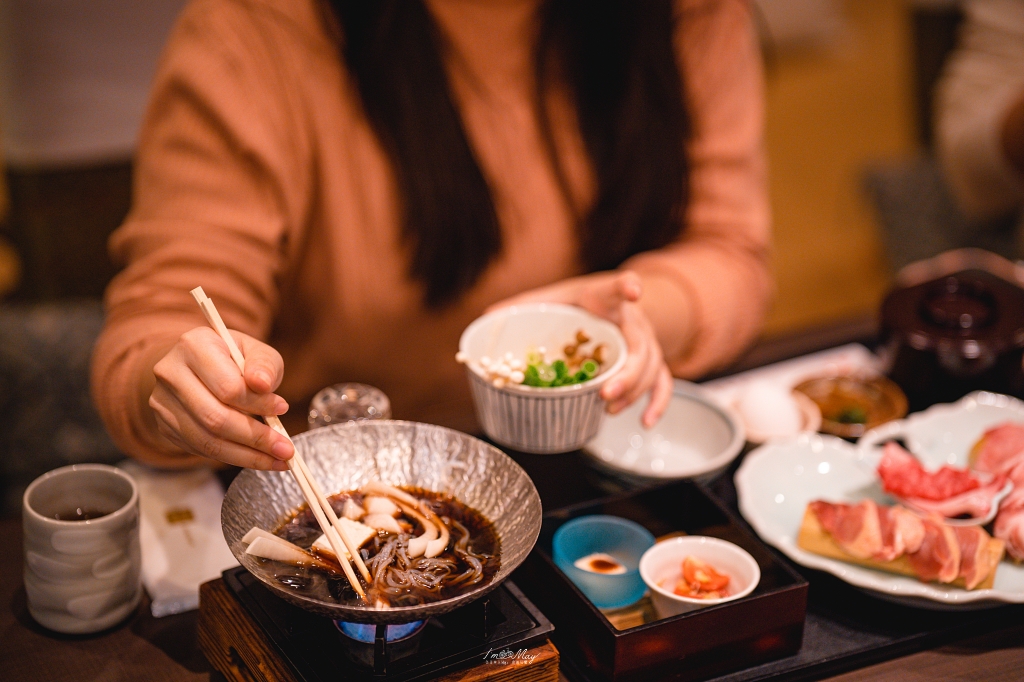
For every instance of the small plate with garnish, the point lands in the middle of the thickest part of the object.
(691, 572)
(851, 404)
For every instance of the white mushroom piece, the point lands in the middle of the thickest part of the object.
(351, 510)
(418, 545)
(377, 504)
(359, 533)
(435, 536)
(266, 545)
(435, 547)
(384, 522)
(376, 487)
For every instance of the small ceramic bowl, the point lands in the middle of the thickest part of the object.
(696, 437)
(852, 404)
(661, 566)
(528, 418)
(623, 540)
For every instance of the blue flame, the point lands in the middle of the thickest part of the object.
(365, 632)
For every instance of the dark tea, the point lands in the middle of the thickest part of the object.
(80, 514)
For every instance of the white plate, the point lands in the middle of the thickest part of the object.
(695, 437)
(777, 480)
(944, 434)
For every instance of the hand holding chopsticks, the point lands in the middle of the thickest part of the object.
(337, 537)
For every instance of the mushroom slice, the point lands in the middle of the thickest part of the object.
(435, 547)
(285, 552)
(256, 532)
(376, 504)
(376, 487)
(382, 522)
(359, 533)
(352, 510)
(418, 545)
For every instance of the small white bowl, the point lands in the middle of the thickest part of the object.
(696, 437)
(529, 418)
(663, 563)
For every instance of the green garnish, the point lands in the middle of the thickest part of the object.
(557, 373)
(852, 415)
(577, 366)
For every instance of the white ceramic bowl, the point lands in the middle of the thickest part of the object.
(528, 418)
(695, 437)
(662, 564)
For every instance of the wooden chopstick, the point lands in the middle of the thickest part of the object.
(353, 551)
(336, 535)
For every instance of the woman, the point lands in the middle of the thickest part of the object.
(353, 183)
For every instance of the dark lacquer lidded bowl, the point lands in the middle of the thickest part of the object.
(958, 332)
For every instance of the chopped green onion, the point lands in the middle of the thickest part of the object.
(546, 374)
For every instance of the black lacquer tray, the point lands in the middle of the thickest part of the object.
(765, 625)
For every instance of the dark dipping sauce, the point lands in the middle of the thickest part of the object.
(303, 530)
(603, 566)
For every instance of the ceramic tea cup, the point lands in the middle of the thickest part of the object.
(82, 558)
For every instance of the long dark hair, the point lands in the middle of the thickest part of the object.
(615, 59)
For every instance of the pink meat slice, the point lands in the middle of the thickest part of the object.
(938, 558)
(975, 503)
(902, 532)
(1002, 449)
(975, 560)
(1010, 529)
(909, 529)
(904, 476)
(854, 527)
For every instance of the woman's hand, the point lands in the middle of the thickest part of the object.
(202, 402)
(614, 296)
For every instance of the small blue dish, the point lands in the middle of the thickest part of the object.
(624, 540)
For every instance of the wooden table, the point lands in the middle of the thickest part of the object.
(145, 649)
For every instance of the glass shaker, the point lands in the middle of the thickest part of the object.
(347, 402)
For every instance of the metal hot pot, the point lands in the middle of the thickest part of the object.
(344, 456)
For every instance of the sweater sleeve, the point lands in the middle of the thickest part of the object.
(720, 264)
(218, 196)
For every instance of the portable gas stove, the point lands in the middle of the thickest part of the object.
(249, 634)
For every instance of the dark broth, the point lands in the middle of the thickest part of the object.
(303, 530)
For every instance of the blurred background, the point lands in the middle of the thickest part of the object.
(849, 96)
(855, 194)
